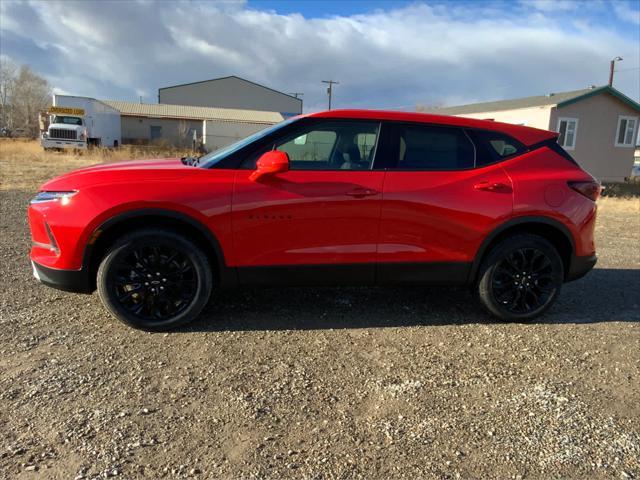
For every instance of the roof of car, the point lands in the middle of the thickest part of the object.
(526, 135)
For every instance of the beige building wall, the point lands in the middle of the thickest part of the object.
(595, 148)
(219, 134)
(230, 93)
(536, 117)
(138, 129)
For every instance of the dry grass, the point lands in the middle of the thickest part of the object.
(24, 165)
(622, 206)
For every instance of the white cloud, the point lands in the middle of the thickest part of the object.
(439, 54)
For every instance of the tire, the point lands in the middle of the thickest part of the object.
(520, 278)
(154, 280)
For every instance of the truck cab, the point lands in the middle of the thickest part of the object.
(65, 131)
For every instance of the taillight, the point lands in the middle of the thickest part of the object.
(590, 189)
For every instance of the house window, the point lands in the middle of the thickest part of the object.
(568, 130)
(625, 133)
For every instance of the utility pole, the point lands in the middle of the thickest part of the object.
(330, 89)
(611, 69)
(296, 94)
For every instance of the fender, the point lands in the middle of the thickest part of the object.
(228, 276)
(533, 219)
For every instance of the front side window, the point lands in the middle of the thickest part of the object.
(331, 146)
(625, 134)
(568, 130)
(425, 147)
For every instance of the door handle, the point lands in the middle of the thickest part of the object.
(362, 192)
(493, 187)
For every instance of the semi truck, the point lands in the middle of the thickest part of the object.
(80, 122)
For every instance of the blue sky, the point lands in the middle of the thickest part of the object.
(386, 54)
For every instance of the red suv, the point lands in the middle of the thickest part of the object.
(331, 198)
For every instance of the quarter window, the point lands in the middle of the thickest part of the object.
(568, 130)
(433, 148)
(625, 133)
(492, 147)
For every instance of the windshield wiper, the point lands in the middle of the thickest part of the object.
(191, 161)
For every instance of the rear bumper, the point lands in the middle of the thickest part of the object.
(580, 266)
(68, 280)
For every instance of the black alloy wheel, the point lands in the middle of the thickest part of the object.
(521, 277)
(155, 280)
(523, 281)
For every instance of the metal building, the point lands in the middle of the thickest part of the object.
(179, 125)
(231, 92)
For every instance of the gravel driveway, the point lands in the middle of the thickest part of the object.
(323, 383)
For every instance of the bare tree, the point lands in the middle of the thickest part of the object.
(7, 81)
(29, 95)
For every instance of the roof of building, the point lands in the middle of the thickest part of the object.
(560, 99)
(186, 112)
(235, 77)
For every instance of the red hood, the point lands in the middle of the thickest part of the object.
(154, 163)
(141, 170)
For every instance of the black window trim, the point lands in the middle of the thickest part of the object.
(379, 162)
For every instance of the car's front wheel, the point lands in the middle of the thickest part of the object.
(154, 280)
(520, 278)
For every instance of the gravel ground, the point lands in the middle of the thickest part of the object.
(322, 383)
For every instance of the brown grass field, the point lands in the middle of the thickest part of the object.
(25, 165)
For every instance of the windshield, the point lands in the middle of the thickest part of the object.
(67, 120)
(214, 157)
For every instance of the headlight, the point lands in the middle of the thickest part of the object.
(62, 197)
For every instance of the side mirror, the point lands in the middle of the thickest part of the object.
(270, 163)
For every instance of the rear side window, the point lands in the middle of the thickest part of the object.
(425, 147)
(491, 147)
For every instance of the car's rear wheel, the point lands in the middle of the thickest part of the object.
(154, 280)
(520, 278)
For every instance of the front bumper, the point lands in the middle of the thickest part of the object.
(58, 143)
(77, 281)
(580, 266)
